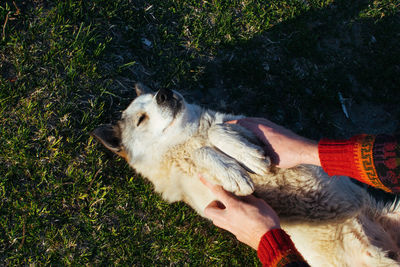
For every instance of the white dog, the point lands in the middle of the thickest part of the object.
(332, 221)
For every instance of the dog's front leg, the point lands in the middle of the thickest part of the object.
(224, 170)
(230, 140)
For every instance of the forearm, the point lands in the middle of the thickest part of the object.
(277, 249)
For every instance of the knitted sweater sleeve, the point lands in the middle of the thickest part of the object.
(276, 249)
(370, 159)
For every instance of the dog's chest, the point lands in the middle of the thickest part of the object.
(181, 156)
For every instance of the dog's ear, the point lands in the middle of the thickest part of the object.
(142, 89)
(110, 136)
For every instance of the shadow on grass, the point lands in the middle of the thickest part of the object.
(293, 73)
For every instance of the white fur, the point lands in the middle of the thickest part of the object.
(332, 221)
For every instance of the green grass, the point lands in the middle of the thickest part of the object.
(67, 66)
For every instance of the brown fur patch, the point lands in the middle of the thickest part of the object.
(122, 153)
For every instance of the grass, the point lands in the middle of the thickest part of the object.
(68, 66)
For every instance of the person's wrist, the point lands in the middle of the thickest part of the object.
(259, 235)
(310, 153)
(266, 225)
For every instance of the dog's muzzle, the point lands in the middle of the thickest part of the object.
(167, 99)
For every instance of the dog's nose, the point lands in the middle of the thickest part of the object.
(163, 96)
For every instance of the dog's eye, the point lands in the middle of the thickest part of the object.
(141, 119)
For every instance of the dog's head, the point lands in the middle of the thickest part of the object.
(152, 121)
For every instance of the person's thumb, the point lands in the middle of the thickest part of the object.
(214, 210)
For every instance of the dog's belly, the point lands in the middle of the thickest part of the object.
(306, 193)
(300, 194)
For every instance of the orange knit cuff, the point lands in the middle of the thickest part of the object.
(277, 249)
(353, 157)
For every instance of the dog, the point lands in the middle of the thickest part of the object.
(332, 221)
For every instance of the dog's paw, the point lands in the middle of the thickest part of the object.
(237, 182)
(256, 162)
(225, 170)
(235, 142)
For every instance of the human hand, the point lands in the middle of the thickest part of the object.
(248, 218)
(285, 148)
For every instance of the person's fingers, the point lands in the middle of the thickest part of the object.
(224, 196)
(253, 120)
(206, 182)
(256, 202)
(248, 121)
(255, 128)
(260, 127)
(256, 125)
(249, 199)
(263, 121)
